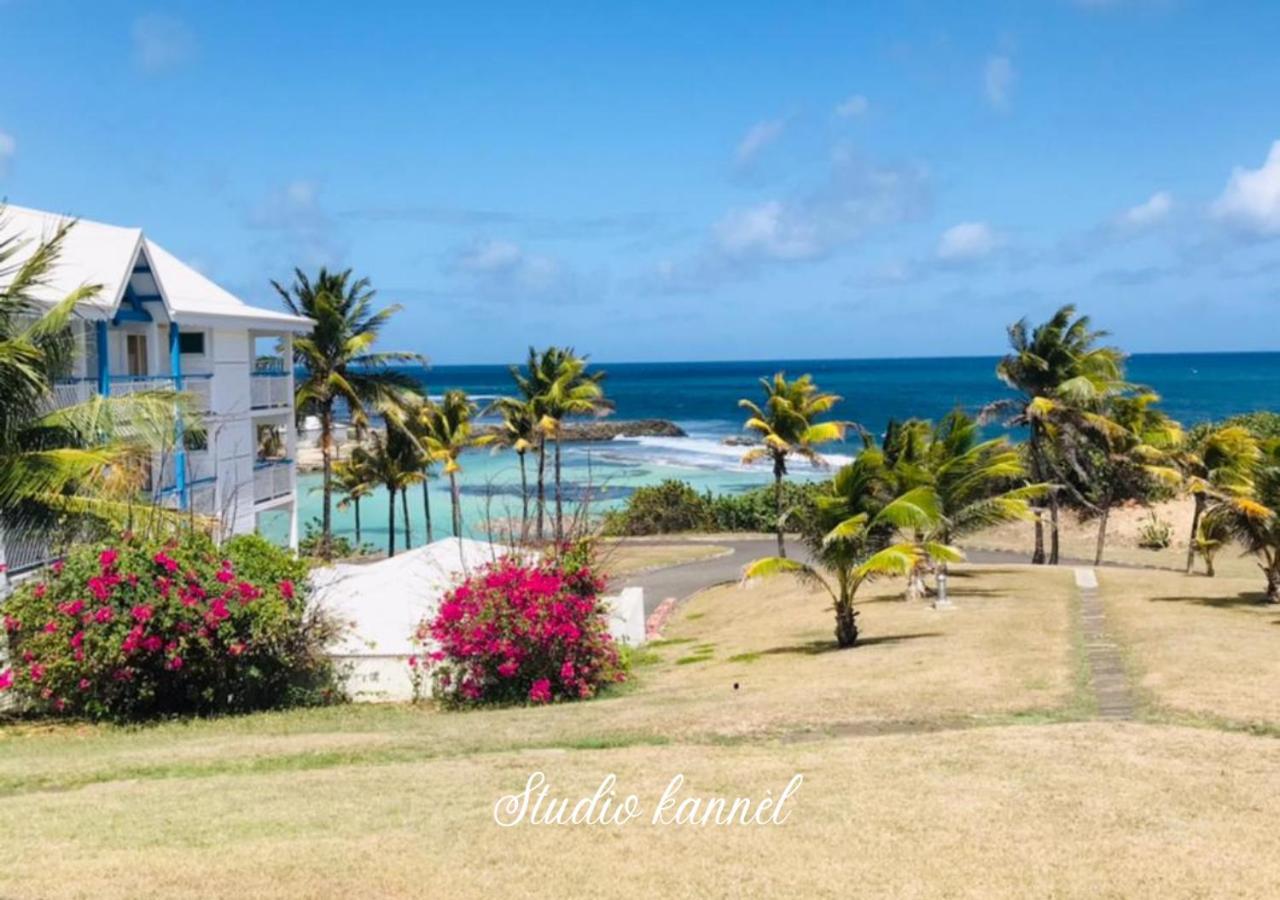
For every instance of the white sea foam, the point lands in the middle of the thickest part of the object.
(696, 452)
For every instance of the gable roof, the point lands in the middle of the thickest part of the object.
(105, 255)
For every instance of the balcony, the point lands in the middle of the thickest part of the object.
(272, 479)
(269, 390)
(200, 469)
(71, 391)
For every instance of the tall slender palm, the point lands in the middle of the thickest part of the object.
(1216, 463)
(339, 363)
(63, 462)
(861, 531)
(570, 391)
(354, 482)
(1255, 520)
(786, 427)
(449, 432)
(519, 431)
(1057, 369)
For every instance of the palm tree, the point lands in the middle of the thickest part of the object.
(1058, 369)
(355, 482)
(339, 363)
(1134, 445)
(383, 463)
(1255, 520)
(519, 431)
(1216, 463)
(978, 483)
(69, 462)
(786, 426)
(858, 534)
(449, 431)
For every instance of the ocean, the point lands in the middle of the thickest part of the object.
(702, 398)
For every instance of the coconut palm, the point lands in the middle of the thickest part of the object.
(786, 427)
(978, 483)
(1255, 520)
(339, 363)
(354, 482)
(863, 529)
(383, 462)
(1058, 370)
(448, 432)
(1216, 463)
(519, 431)
(74, 462)
(1134, 446)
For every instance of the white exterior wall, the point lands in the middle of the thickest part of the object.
(231, 437)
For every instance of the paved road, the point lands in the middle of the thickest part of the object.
(683, 580)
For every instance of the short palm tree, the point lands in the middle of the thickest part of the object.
(59, 465)
(786, 426)
(1255, 520)
(449, 432)
(339, 363)
(382, 461)
(519, 431)
(1058, 369)
(864, 528)
(354, 482)
(1216, 463)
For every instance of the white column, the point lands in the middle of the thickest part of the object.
(153, 348)
(291, 441)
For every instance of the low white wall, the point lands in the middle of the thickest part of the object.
(626, 616)
(377, 679)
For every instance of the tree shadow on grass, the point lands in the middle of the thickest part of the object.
(828, 645)
(1244, 598)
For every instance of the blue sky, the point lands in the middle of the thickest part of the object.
(682, 181)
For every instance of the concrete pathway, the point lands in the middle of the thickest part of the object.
(1108, 678)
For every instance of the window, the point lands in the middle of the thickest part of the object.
(191, 342)
(136, 353)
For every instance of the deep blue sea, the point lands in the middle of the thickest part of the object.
(702, 398)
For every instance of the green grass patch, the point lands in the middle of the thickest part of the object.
(744, 657)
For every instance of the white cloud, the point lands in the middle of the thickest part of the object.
(769, 230)
(8, 147)
(852, 107)
(503, 269)
(966, 242)
(998, 77)
(1152, 211)
(1251, 199)
(758, 137)
(161, 43)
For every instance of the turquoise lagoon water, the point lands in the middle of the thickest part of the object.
(702, 398)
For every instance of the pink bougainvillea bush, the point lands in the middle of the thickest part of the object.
(521, 632)
(136, 629)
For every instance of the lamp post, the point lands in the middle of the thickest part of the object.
(941, 600)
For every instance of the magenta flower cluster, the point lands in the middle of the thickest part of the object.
(132, 630)
(521, 632)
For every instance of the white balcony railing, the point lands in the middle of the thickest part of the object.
(268, 390)
(78, 390)
(272, 479)
(199, 467)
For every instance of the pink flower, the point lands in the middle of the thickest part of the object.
(85, 684)
(151, 643)
(102, 615)
(175, 663)
(107, 558)
(413, 662)
(40, 590)
(71, 608)
(226, 576)
(541, 691)
(247, 592)
(6, 679)
(77, 639)
(36, 672)
(50, 627)
(566, 671)
(58, 566)
(508, 668)
(236, 649)
(11, 624)
(286, 589)
(165, 561)
(142, 612)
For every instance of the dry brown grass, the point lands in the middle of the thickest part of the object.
(1201, 646)
(629, 557)
(1067, 810)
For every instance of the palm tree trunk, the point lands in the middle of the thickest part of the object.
(524, 501)
(391, 522)
(777, 510)
(559, 501)
(357, 504)
(1037, 555)
(542, 484)
(326, 468)
(1273, 580)
(408, 526)
(1195, 529)
(1208, 564)
(846, 625)
(426, 508)
(1053, 529)
(1102, 532)
(456, 494)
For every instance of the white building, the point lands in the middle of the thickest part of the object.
(158, 323)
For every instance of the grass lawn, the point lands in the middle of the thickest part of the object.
(951, 754)
(1204, 648)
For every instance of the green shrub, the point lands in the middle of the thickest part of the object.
(1155, 534)
(756, 509)
(342, 547)
(135, 629)
(665, 508)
